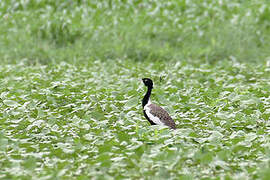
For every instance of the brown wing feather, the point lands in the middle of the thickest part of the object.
(162, 115)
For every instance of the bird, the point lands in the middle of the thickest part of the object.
(152, 112)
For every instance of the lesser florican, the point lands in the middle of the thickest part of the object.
(152, 112)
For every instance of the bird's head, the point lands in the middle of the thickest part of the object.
(148, 82)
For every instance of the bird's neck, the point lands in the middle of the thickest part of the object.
(146, 97)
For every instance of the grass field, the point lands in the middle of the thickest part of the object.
(70, 94)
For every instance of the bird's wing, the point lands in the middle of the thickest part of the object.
(163, 116)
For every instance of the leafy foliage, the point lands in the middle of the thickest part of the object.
(78, 31)
(70, 95)
(86, 121)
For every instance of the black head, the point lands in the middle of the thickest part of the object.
(148, 82)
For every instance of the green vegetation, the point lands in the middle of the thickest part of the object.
(70, 95)
(76, 31)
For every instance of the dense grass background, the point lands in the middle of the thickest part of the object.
(76, 31)
(70, 95)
